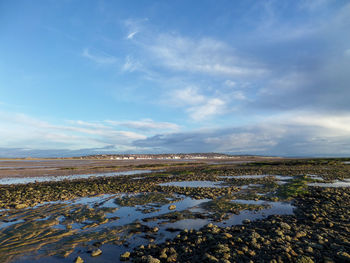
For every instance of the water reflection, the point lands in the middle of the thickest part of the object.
(26, 180)
(336, 183)
(195, 184)
(257, 176)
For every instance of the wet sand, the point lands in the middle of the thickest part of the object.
(63, 167)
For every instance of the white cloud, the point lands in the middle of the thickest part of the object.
(146, 125)
(100, 58)
(188, 96)
(308, 134)
(230, 83)
(207, 110)
(206, 56)
(199, 106)
(131, 35)
(329, 125)
(131, 64)
(20, 130)
(239, 95)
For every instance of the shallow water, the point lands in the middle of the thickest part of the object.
(195, 184)
(274, 208)
(27, 167)
(315, 177)
(26, 180)
(257, 176)
(123, 216)
(336, 183)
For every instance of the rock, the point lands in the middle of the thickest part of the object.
(96, 252)
(285, 226)
(304, 259)
(309, 249)
(150, 259)
(172, 207)
(344, 256)
(221, 249)
(125, 256)
(21, 206)
(255, 235)
(210, 258)
(279, 233)
(227, 235)
(163, 254)
(327, 260)
(300, 234)
(78, 260)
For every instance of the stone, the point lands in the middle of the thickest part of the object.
(125, 256)
(96, 252)
(300, 234)
(78, 260)
(285, 226)
(304, 259)
(150, 259)
(21, 206)
(172, 207)
(344, 256)
(227, 235)
(210, 258)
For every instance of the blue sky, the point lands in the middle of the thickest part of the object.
(242, 77)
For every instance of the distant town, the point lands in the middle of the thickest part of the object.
(179, 156)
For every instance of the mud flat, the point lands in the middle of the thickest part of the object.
(285, 211)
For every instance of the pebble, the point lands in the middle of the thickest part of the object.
(125, 256)
(78, 260)
(172, 207)
(96, 252)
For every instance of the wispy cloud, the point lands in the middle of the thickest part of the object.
(205, 56)
(99, 58)
(131, 35)
(25, 131)
(131, 64)
(134, 26)
(147, 125)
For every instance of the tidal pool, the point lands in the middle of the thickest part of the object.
(78, 224)
(257, 176)
(336, 183)
(195, 184)
(26, 180)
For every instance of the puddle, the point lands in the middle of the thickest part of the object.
(337, 183)
(257, 176)
(101, 218)
(250, 186)
(315, 177)
(274, 208)
(195, 184)
(26, 180)
(7, 224)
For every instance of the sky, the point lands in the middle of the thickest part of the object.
(147, 76)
